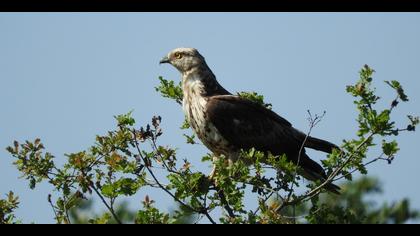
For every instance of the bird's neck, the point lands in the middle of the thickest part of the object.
(201, 81)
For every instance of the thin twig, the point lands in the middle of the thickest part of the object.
(264, 200)
(106, 204)
(298, 161)
(301, 216)
(155, 148)
(312, 123)
(316, 190)
(392, 107)
(201, 211)
(53, 207)
(364, 165)
(66, 211)
(207, 213)
(224, 201)
(95, 161)
(265, 188)
(199, 218)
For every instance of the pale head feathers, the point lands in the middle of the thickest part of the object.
(185, 59)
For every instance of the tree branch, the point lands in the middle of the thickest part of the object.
(366, 164)
(312, 123)
(225, 203)
(106, 204)
(330, 178)
(201, 211)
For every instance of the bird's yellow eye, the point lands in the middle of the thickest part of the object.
(178, 55)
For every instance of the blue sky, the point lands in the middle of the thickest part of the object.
(63, 76)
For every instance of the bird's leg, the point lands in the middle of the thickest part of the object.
(232, 158)
(230, 162)
(213, 171)
(212, 175)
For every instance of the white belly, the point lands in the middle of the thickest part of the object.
(194, 111)
(194, 106)
(208, 134)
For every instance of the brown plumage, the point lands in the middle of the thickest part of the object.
(226, 123)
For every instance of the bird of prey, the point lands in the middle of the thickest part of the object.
(227, 123)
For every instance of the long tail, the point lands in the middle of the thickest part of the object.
(314, 172)
(320, 145)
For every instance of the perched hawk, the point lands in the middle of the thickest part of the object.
(226, 123)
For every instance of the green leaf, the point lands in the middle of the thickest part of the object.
(383, 117)
(390, 148)
(108, 190)
(123, 186)
(104, 219)
(168, 89)
(190, 139)
(253, 96)
(185, 124)
(414, 122)
(127, 186)
(399, 89)
(125, 119)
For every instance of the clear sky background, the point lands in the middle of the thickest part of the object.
(63, 76)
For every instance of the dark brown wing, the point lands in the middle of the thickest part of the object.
(246, 124)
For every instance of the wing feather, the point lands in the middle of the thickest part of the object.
(246, 124)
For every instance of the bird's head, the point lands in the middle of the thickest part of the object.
(184, 59)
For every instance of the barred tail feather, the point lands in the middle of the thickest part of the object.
(320, 145)
(314, 172)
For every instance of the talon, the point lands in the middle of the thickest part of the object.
(212, 175)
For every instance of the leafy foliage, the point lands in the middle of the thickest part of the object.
(168, 89)
(352, 206)
(7, 207)
(128, 159)
(255, 97)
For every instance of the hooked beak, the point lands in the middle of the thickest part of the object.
(165, 59)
